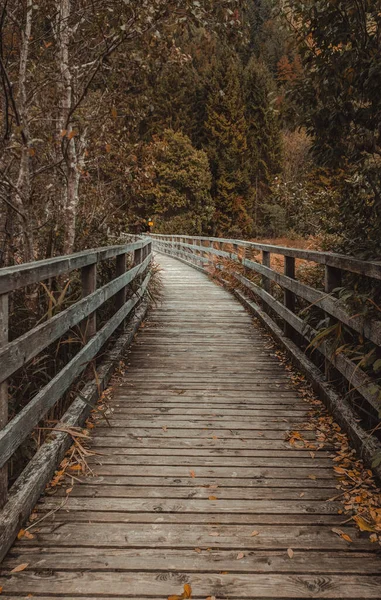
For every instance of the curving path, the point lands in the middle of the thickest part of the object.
(195, 483)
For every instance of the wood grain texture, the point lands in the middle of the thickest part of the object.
(194, 481)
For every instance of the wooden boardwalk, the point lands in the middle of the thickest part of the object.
(196, 483)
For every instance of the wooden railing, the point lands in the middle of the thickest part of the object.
(16, 353)
(245, 261)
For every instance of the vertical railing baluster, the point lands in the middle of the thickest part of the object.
(332, 280)
(89, 285)
(289, 297)
(121, 296)
(4, 327)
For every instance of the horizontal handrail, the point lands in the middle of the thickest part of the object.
(20, 276)
(341, 261)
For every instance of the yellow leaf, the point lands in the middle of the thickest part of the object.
(175, 597)
(240, 555)
(69, 490)
(187, 591)
(21, 534)
(20, 568)
(362, 524)
(290, 552)
(213, 498)
(347, 537)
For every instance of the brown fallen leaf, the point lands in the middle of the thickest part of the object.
(164, 428)
(254, 533)
(187, 591)
(312, 477)
(192, 474)
(213, 498)
(28, 535)
(20, 568)
(240, 555)
(214, 533)
(198, 550)
(211, 598)
(343, 535)
(290, 552)
(21, 534)
(175, 597)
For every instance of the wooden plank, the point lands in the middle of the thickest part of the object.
(245, 586)
(230, 537)
(188, 560)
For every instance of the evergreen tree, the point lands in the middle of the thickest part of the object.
(178, 192)
(226, 131)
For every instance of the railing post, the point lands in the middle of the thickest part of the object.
(266, 283)
(266, 262)
(289, 297)
(4, 317)
(332, 280)
(120, 269)
(138, 256)
(333, 277)
(89, 285)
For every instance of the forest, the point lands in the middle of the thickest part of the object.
(236, 118)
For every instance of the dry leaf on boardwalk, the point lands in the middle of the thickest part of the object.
(343, 535)
(213, 498)
(240, 555)
(290, 552)
(254, 533)
(192, 474)
(187, 593)
(20, 568)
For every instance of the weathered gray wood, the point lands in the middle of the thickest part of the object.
(121, 266)
(18, 352)
(340, 261)
(367, 446)
(14, 278)
(256, 585)
(187, 560)
(194, 471)
(4, 316)
(28, 487)
(22, 424)
(89, 285)
(289, 297)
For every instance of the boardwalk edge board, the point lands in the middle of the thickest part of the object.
(31, 483)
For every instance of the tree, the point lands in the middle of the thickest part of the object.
(226, 133)
(340, 105)
(177, 192)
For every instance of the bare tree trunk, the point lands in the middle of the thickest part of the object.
(22, 191)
